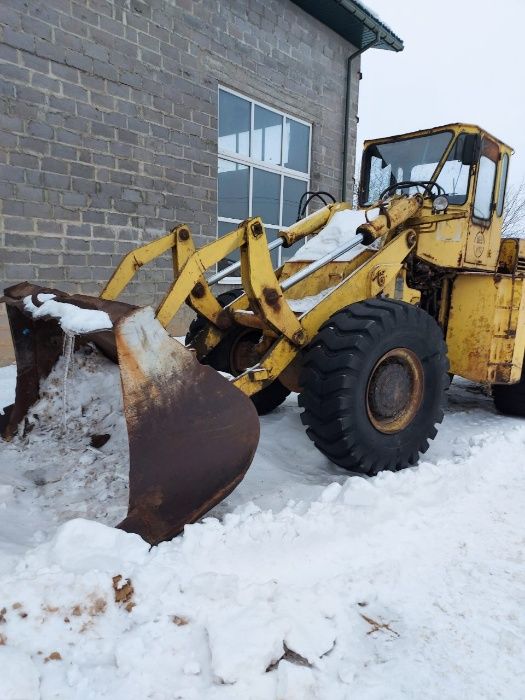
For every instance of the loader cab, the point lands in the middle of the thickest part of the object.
(462, 172)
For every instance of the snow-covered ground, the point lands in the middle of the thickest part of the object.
(306, 583)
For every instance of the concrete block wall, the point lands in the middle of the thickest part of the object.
(108, 123)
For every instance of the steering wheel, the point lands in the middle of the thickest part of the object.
(427, 186)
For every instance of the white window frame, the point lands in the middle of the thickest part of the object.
(251, 162)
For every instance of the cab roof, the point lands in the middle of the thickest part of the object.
(456, 126)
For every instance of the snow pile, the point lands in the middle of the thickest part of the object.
(72, 319)
(340, 229)
(52, 466)
(306, 584)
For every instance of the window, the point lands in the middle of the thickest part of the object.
(486, 180)
(454, 175)
(264, 166)
(502, 184)
(416, 158)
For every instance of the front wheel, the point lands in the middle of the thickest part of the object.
(235, 353)
(373, 385)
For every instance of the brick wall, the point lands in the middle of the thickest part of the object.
(108, 122)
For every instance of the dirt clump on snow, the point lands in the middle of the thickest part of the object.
(123, 592)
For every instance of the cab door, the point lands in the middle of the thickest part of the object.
(484, 228)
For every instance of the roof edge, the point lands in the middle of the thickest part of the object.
(372, 22)
(354, 22)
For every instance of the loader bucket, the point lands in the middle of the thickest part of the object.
(192, 435)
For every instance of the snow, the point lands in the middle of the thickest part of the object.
(305, 583)
(306, 303)
(72, 319)
(341, 227)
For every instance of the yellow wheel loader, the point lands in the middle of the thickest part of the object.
(366, 322)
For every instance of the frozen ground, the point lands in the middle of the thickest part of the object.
(307, 584)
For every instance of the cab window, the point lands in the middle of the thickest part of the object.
(502, 184)
(486, 180)
(454, 175)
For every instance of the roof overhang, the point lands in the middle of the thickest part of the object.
(354, 22)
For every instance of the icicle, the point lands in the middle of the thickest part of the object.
(67, 351)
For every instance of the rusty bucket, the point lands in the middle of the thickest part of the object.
(192, 434)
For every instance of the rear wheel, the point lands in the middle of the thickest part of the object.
(509, 399)
(374, 382)
(235, 353)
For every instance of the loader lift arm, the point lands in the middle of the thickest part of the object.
(190, 285)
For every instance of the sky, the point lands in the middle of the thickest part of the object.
(463, 61)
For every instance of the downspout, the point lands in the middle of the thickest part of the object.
(347, 109)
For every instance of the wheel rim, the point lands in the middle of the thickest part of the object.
(395, 390)
(242, 353)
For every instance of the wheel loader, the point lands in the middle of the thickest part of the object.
(366, 322)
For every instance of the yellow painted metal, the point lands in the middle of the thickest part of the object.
(191, 264)
(201, 298)
(484, 237)
(454, 129)
(368, 274)
(397, 288)
(144, 254)
(358, 285)
(442, 241)
(457, 239)
(192, 271)
(327, 276)
(133, 261)
(398, 211)
(311, 224)
(486, 327)
(355, 287)
(261, 285)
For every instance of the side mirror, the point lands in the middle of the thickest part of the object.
(471, 144)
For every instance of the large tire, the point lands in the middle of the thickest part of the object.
(222, 356)
(373, 385)
(509, 399)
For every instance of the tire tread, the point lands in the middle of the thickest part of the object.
(331, 366)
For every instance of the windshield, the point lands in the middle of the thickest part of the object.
(386, 164)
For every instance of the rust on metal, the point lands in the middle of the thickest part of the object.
(250, 320)
(198, 290)
(395, 390)
(400, 210)
(223, 320)
(192, 434)
(271, 296)
(257, 229)
(299, 337)
(381, 278)
(137, 264)
(244, 352)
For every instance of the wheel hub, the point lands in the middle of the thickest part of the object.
(395, 390)
(243, 353)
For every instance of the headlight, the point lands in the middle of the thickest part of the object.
(440, 203)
